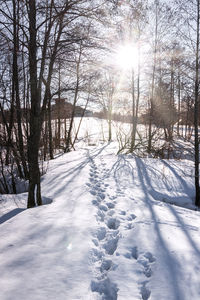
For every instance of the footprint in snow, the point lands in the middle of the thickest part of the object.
(93, 192)
(129, 225)
(101, 233)
(106, 265)
(100, 216)
(145, 260)
(103, 207)
(131, 217)
(145, 292)
(113, 223)
(150, 257)
(95, 202)
(122, 212)
(111, 212)
(96, 255)
(133, 253)
(110, 205)
(106, 288)
(101, 195)
(111, 245)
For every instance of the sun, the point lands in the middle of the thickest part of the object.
(126, 57)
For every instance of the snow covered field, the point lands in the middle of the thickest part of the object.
(117, 227)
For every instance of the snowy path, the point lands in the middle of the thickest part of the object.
(110, 221)
(108, 235)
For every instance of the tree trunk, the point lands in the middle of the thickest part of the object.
(110, 121)
(68, 140)
(50, 130)
(153, 82)
(135, 107)
(34, 137)
(16, 90)
(196, 113)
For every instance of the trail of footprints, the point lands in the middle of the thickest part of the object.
(144, 259)
(107, 237)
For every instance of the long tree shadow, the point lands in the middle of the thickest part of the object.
(172, 265)
(11, 214)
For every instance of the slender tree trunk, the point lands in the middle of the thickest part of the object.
(179, 103)
(110, 120)
(9, 126)
(196, 113)
(171, 101)
(133, 112)
(135, 107)
(153, 82)
(59, 103)
(34, 137)
(68, 140)
(16, 89)
(50, 130)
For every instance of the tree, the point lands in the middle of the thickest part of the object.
(196, 108)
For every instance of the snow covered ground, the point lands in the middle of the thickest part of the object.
(117, 227)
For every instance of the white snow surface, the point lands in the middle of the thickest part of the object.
(117, 227)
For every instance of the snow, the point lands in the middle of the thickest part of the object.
(116, 227)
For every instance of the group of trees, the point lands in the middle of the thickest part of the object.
(57, 48)
(40, 40)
